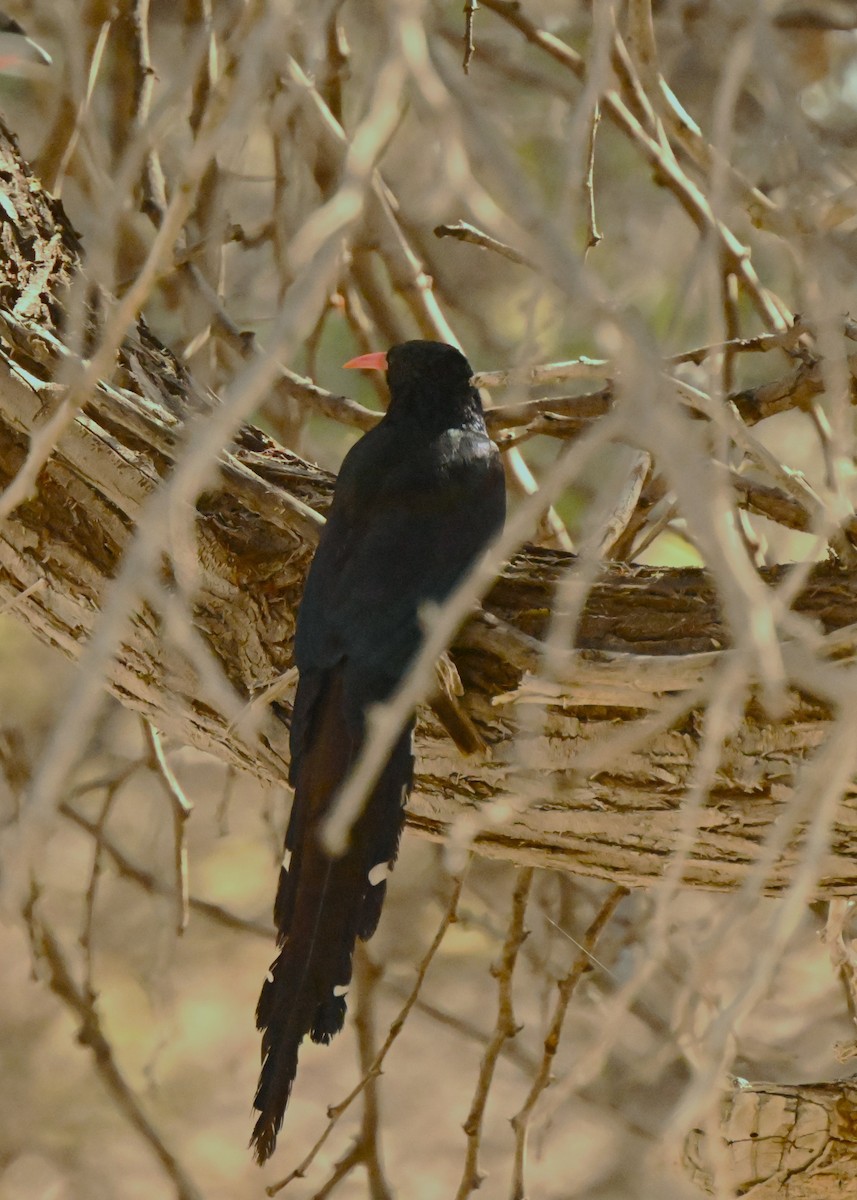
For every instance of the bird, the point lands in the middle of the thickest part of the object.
(417, 500)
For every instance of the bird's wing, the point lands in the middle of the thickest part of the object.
(401, 534)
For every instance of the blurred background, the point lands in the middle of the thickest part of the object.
(523, 147)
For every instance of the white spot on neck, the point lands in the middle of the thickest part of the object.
(379, 873)
(340, 989)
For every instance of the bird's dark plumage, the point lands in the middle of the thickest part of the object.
(416, 501)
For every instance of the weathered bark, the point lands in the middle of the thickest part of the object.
(644, 633)
(778, 1140)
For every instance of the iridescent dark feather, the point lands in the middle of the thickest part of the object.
(416, 501)
(323, 905)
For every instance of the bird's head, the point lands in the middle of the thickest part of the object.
(420, 369)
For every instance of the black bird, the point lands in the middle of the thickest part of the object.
(416, 501)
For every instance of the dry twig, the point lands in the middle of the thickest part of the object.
(181, 809)
(505, 1028)
(565, 990)
(48, 952)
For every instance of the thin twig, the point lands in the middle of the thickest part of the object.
(87, 936)
(466, 1029)
(181, 810)
(841, 948)
(593, 233)
(731, 326)
(368, 975)
(338, 62)
(470, 7)
(155, 887)
(615, 522)
(659, 154)
(542, 373)
(154, 187)
(56, 184)
(290, 384)
(565, 990)
(786, 341)
(198, 18)
(366, 1149)
(660, 517)
(341, 1171)
(505, 1028)
(463, 231)
(336, 1110)
(47, 950)
(653, 491)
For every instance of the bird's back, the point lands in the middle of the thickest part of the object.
(410, 515)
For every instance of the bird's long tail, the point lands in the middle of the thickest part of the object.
(323, 905)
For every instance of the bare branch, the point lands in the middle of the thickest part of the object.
(565, 991)
(48, 951)
(463, 231)
(181, 810)
(505, 1028)
(155, 887)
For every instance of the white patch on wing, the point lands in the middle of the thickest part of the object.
(379, 873)
(340, 989)
(287, 859)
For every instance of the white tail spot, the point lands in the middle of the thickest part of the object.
(379, 873)
(287, 859)
(341, 989)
